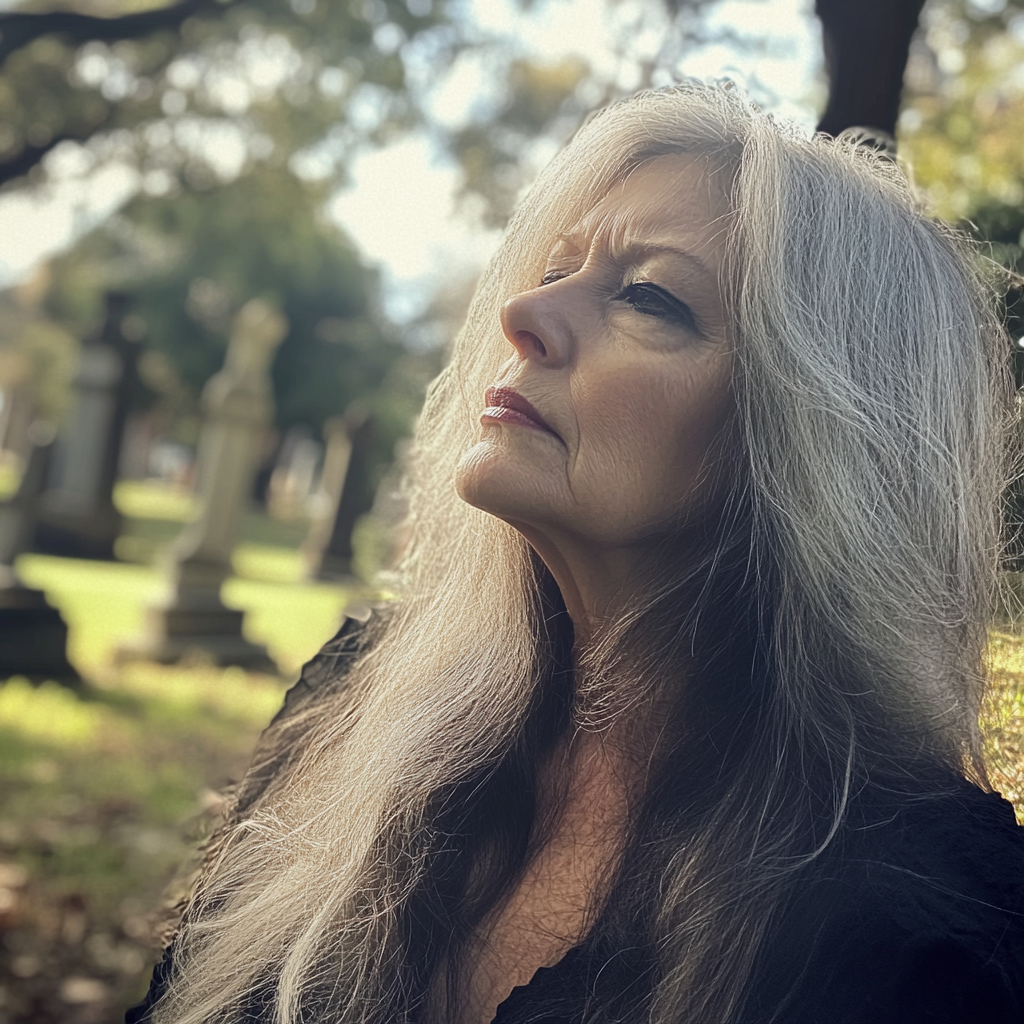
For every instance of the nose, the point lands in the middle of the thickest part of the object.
(535, 324)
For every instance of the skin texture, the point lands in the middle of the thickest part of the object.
(635, 390)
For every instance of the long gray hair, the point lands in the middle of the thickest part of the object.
(829, 629)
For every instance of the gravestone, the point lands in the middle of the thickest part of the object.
(348, 490)
(78, 517)
(238, 410)
(16, 419)
(33, 635)
(294, 475)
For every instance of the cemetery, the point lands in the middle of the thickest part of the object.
(205, 400)
(148, 631)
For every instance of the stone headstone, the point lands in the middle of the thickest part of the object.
(33, 635)
(78, 517)
(348, 490)
(238, 409)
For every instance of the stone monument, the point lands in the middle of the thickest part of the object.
(347, 487)
(77, 516)
(238, 410)
(33, 635)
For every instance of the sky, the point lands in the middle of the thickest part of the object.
(400, 207)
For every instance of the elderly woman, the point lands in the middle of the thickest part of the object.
(677, 717)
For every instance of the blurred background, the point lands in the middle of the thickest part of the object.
(235, 236)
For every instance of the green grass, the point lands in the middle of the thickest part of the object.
(98, 793)
(103, 793)
(1003, 720)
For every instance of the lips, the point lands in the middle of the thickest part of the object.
(508, 406)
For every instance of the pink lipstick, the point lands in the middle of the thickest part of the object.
(508, 406)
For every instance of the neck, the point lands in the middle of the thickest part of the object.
(597, 584)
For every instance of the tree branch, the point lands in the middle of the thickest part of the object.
(19, 29)
(31, 156)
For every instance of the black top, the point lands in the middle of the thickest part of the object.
(914, 914)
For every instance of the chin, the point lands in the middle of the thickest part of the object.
(494, 479)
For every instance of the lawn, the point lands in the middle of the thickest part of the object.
(103, 793)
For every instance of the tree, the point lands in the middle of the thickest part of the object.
(72, 75)
(237, 119)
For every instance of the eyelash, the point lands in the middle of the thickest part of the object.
(639, 295)
(650, 300)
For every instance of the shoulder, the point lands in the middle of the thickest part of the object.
(915, 913)
(329, 666)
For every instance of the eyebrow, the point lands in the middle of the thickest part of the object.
(620, 243)
(687, 257)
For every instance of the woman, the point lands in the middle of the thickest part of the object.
(676, 720)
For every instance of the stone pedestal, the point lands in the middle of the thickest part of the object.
(195, 622)
(33, 635)
(238, 410)
(16, 418)
(77, 516)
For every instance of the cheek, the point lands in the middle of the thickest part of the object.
(645, 438)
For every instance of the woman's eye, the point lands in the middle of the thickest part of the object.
(651, 300)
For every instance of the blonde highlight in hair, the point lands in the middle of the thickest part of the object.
(829, 628)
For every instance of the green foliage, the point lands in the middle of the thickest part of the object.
(287, 70)
(960, 131)
(190, 263)
(963, 110)
(37, 356)
(538, 100)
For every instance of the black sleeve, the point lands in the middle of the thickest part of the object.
(325, 671)
(139, 1014)
(919, 920)
(880, 973)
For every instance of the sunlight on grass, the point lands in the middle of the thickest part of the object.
(266, 562)
(104, 604)
(151, 499)
(95, 795)
(1003, 719)
(48, 713)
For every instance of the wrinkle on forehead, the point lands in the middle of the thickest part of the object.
(628, 220)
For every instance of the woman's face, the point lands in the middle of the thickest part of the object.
(618, 381)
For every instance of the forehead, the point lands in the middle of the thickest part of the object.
(678, 202)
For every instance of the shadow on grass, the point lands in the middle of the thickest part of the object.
(103, 796)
